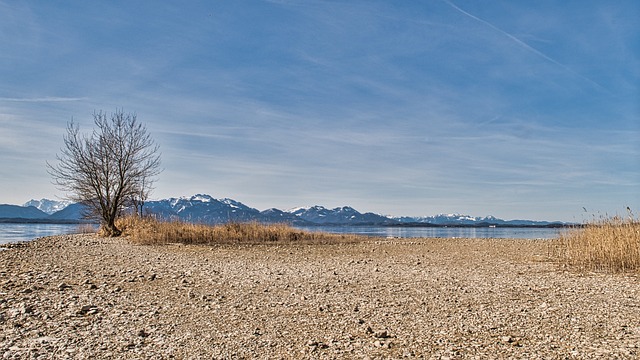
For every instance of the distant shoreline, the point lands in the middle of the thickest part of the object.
(43, 221)
(396, 225)
(486, 225)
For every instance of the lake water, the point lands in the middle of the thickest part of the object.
(441, 232)
(10, 233)
(24, 232)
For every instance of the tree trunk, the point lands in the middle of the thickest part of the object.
(110, 229)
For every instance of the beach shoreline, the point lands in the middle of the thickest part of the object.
(82, 296)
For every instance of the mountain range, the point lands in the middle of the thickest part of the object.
(48, 206)
(202, 208)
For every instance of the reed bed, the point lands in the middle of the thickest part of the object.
(86, 229)
(611, 245)
(150, 231)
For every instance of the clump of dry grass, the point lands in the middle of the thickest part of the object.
(149, 231)
(86, 229)
(611, 244)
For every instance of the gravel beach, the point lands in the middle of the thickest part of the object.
(85, 297)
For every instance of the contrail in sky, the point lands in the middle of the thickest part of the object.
(523, 44)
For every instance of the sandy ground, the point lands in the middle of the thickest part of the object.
(81, 297)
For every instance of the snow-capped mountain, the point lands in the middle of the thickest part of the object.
(274, 215)
(446, 219)
(201, 208)
(48, 206)
(339, 216)
(76, 211)
(206, 209)
(459, 219)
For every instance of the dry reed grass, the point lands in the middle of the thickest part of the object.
(149, 231)
(86, 229)
(610, 244)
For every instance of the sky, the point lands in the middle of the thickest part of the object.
(517, 109)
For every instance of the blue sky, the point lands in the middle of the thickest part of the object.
(517, 109)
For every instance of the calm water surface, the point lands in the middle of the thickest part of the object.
(24, 232)
(441, 232)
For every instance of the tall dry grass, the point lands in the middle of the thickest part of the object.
(149, 231)
(611, 244)
(86, 229)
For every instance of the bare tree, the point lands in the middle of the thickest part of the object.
(109, 168)
(138, 200)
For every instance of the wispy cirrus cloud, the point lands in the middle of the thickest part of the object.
(397, 107)
(43, 99)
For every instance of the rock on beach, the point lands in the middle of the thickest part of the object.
(85, 297)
